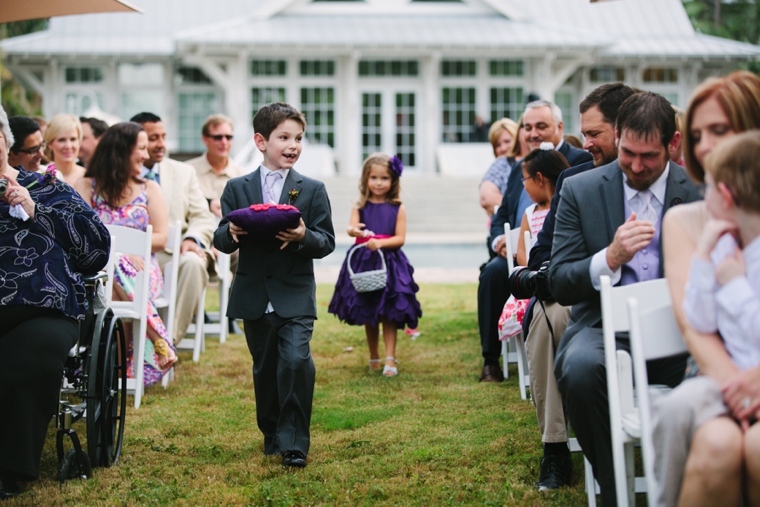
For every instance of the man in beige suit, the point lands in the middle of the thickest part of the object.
(186, 203)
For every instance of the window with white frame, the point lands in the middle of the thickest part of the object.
(372, 123)
(405, 128)
(393, 68)
(318, 106)
(662, 80)
(458, 106)
(197, 100)
(459, 68)
(317, 67)
(142, 88)
(506, 68)
(506, 102)
(84, 88)
(564, 99)
(263, 95)
(606, 74)
(269, 68)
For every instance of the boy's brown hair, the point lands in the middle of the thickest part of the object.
(271, 116)
(736, 163)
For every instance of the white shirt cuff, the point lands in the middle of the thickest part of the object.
(599, 267)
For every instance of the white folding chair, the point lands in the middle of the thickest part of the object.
(198, 342)
(624, 421)
(167, 303)
(138, 243)
(219, 322)
(528, 241)
(517, 355)
(654, 335)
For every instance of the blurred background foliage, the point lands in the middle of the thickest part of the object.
(16, 98)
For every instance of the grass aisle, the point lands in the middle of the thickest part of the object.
(432, 436)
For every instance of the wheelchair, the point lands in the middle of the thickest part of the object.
(93, 389)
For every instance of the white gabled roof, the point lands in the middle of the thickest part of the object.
(622, 28)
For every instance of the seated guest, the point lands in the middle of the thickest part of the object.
(608, 223)
(676, 154)
(215, 167)
(185, 201)
(27, 149)
(118, 194)
(706, 458)
(598, 116)
(63, 137)
(43, 301)
(92, 130)
(574, 140)
(542, 123)
(502, 135)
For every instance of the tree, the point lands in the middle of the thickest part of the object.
(731, 19)
(16, 98)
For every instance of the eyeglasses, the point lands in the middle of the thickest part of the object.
(34, 150)
(526, 178)
(219, 137)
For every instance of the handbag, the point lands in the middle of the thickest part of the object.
(368, 281)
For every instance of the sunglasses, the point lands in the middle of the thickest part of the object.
(219, 137)
(34, 150)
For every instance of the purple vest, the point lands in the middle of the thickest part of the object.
(645, 265)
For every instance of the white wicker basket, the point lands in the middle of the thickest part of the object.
(368, 281)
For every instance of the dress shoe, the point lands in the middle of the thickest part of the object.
(8, 489)
(293, 459)
(492, 373)
(556, 471)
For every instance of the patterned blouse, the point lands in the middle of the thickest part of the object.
(42, 259)
(498, 173)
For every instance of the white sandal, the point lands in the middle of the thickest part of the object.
(390, 371)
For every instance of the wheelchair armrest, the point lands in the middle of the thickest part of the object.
(91, 279)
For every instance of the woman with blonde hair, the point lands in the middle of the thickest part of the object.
(502, 136)
(63, 137)
(705, 458)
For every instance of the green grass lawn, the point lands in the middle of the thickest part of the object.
(431, 436)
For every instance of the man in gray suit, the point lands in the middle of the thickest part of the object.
(274, 289)
(608, 223)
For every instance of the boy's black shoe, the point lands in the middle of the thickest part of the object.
(556, 471)
(8, 489)
(293, 459)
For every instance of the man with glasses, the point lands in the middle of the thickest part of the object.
(28, 146)
(215, 168)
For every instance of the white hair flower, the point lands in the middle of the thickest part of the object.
(546, 146)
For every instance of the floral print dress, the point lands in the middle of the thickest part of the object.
(511, 320)
(135, 216)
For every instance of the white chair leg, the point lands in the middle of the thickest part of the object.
(590, 483)
(199, 336)
(138, 360)
(505, 357)
(223, 299)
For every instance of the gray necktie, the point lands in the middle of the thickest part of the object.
(646, 210)
(269, 192)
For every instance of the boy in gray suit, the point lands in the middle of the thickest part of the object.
(274, 291)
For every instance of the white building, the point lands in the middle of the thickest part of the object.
(400, 76)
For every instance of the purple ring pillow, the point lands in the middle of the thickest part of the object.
(263, 222)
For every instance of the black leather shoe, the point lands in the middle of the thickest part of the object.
(492, 373)
(8, 489)
(293, 459)
(556, 471)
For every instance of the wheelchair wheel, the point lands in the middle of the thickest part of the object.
(106, 392)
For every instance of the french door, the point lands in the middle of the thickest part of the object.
(389, 123)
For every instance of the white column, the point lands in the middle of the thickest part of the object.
(348, 137)
(429, 115)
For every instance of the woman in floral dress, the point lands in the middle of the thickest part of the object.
(114, 188)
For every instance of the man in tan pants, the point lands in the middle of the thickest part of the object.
(185, 202)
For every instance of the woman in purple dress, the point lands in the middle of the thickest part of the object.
(378, 222)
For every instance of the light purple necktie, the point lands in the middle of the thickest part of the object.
(269, 193)
(647, 211)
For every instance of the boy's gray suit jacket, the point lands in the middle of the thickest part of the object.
(284, 277)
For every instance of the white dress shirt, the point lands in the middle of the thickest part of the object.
(733, 309)
(277, 186)
(599, 264)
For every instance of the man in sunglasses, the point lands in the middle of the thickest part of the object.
(215, 168)
(27, 150)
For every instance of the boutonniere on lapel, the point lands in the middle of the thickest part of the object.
(293, 195)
